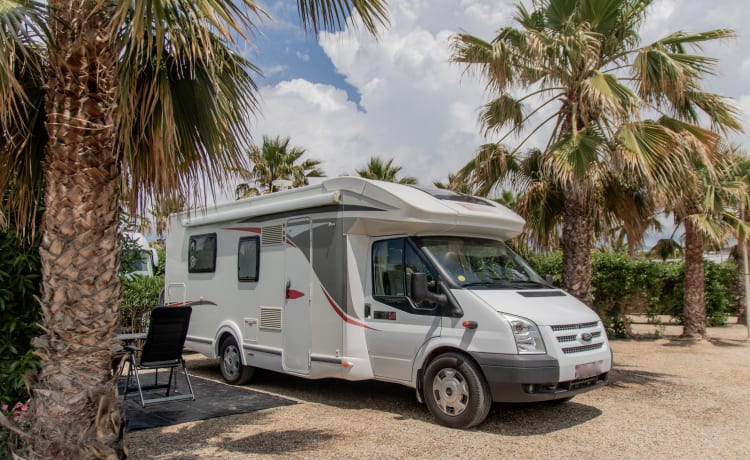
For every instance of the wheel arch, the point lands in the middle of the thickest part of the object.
(430, 355)
(228, 329)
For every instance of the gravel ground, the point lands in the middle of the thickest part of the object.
(667, 399)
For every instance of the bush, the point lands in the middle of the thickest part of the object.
(20, 276)
(140, 294)
(622, 285)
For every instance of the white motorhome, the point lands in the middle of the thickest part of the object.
(359, 279)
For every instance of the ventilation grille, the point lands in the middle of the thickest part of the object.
(270, 318)
(272, 235)
(582, 348)
(573, 327)
(573, 338)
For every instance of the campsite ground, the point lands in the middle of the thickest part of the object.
(667, 398)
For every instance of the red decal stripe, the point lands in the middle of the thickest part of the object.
(341, 313)
(292, 294)
(246, 229)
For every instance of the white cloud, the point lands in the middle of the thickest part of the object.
(302, 56)
(421, 110)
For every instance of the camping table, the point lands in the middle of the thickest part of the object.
(127, 339)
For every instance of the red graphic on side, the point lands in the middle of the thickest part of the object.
(292, 294)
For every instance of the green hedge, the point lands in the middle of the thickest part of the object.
(622, 285)
(140, 294)
(20, 274)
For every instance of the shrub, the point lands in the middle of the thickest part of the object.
(622, 285)
(140, 294)
(20, 269)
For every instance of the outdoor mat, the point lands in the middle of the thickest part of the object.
(212, 399)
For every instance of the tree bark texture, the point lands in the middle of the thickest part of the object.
(742, 268)
(576, 245)
(74, 402)
(694, 310)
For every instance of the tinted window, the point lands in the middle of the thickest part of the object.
(248, 258)
(202, 253)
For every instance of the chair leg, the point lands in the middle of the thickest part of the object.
(187, 378)
(140, 391)
(169, 382)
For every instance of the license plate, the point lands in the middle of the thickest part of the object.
(584, 371)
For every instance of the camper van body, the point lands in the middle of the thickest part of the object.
(317, 282)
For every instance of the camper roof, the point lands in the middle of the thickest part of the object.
(380, 207)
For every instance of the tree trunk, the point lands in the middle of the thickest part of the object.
(576, 245)
(694, 313)
(743, 286)
(74, 403)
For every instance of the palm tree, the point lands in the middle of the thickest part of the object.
(275, 160)
(377, 169)
(460, 186)
(161, 211)
(574, 57)
(145, 94)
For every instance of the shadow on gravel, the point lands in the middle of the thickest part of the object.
(401, 403)
(679, 342)
(625, 376)
(536, 419)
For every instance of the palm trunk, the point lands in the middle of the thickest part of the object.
(744, 288)
(576, 244)
(694, 313)
(74, 404)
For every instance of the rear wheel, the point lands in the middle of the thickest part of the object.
(231, 363)
(455, 391)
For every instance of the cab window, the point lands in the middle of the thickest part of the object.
(394, 261)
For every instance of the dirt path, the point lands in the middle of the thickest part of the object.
(666, 399)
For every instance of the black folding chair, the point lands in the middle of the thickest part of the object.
(161, 350)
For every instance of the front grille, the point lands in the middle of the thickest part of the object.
(573, 327)
(573, 338)
(582, 348)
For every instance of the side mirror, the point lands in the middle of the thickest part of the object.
(420, 293)
(548, 279)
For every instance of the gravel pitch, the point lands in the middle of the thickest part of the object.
(667, 399)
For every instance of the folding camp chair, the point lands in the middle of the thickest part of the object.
(161, 350)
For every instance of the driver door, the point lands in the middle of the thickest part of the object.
(398, 327)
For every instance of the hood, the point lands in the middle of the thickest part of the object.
(548, 307)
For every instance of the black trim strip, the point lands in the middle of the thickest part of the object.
(199, 339)
(326, 359)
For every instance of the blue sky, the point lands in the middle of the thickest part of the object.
(346, 97)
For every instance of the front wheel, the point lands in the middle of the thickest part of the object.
(231, 363)
(455, 391)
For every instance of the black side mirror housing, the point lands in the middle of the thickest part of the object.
(420, 293)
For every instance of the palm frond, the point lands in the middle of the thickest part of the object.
(320, 15)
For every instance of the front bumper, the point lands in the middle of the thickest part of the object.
(530, 378)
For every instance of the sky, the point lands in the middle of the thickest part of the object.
(346, 96)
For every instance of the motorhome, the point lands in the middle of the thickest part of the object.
(360, 279)
(145, 261)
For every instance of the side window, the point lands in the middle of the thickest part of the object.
(248, 258)
(202, 253)
(388, 268)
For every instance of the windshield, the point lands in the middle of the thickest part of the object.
(481, 262)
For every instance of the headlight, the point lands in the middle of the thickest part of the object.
(527, 335)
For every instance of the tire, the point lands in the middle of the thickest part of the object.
(231, 363)
(455, 391)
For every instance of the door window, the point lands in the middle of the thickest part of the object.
(393, 262)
